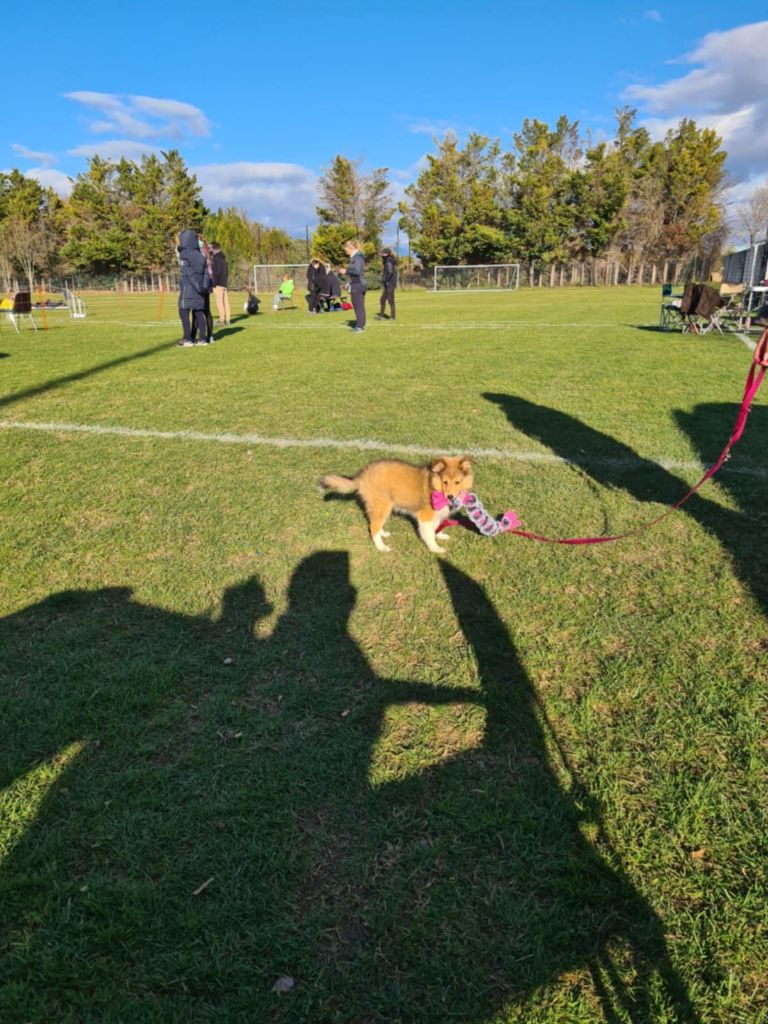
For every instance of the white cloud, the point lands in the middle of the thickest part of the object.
(46, 159)
(274, 193)
(114, 149)
(142, 117)
(727, 90)
(50, 178)
(184, 114)
(652, 15)
(435, 127)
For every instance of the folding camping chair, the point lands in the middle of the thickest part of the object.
(733, 314)
(22, 306)
(669, 316)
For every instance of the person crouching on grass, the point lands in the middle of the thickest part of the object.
(356, 276)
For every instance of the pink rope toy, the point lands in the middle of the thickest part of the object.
(484, 522)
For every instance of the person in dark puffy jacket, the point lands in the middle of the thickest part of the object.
(313, 285)
(194, 286)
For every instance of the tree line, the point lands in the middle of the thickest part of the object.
(555, 196)
(122, 218)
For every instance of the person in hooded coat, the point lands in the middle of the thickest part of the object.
(388, 284)
(194, 286)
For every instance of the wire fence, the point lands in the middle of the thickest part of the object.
(585, 273)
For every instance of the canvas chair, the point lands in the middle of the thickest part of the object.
(706, 312)
(22, 307)
(733, 314)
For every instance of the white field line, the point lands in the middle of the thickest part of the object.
(752, 345)
(369, 445)
(451, 325)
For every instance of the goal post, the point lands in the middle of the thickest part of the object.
(477, 277)
(267, 277)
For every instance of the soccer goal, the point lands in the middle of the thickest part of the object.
(267, 277)
(479, 277)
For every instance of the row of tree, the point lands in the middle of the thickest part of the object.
(122, 217)
(554, 197)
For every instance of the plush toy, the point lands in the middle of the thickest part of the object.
(484, 522)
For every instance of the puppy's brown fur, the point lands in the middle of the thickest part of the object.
(390, 485)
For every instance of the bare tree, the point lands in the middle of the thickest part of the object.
(751, 216)
(28, 246)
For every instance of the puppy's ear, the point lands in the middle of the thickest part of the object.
(465, 464)
(437, 465)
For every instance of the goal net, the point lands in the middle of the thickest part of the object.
(480, 277)
(267, 277)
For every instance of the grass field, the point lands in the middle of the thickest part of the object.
(518, 783)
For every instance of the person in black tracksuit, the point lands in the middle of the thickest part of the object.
(194, 287)
(356, 276)
(388, 284)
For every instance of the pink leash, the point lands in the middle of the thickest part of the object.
(754, 380)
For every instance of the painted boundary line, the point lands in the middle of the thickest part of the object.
(368, 445)
(451, 325)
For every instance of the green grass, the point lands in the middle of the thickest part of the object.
(520, 783)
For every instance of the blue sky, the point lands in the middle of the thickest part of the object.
(259, 97)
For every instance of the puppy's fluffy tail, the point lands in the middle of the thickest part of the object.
(342, 484)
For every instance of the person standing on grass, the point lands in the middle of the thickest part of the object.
(356, 276)
(220, 278)
(313, 285)
(388, 284)
(194, 287)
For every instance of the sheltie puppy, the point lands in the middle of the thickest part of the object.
(390, 485)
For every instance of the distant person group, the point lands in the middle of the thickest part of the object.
(204, 272)
(324, 285)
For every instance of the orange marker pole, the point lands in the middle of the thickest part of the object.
(43, 316)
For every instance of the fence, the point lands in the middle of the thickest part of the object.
(586, 273)
(747, 266)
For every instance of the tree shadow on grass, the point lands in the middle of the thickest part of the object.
(69, 378)
(614, 464)
(216, 811)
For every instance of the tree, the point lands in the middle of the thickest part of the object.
(452, 211)
(751, 215)
(328, 242)
(29, 245)
(690, 165)
(20, 196)
(543, 180)
(362, 201)
(126, 215)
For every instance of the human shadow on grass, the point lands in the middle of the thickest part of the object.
(224, 332)
(614, 464)
(223, 810)
(70, 378)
